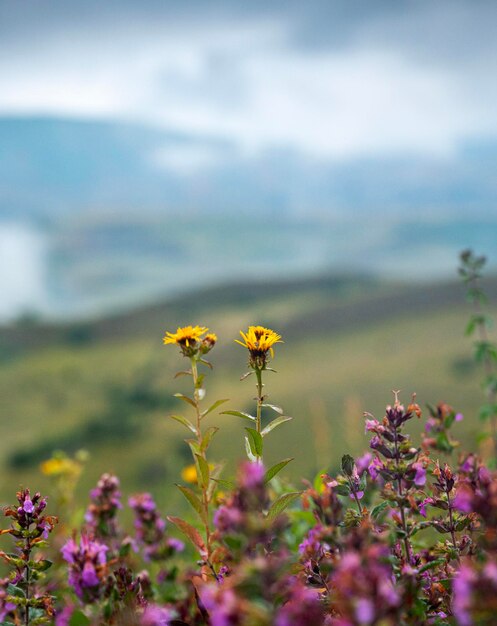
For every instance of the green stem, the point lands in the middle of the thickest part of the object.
(407, 545)
(352, 491)
(451, 522)
(488, 363)
(260, 400)
(204, 488)
(27, 552)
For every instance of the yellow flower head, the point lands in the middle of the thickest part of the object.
(208, 342)
(60, 466)
(187, 337)
(259, 341)
(189, 473)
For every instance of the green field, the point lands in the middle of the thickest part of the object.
(107, 385)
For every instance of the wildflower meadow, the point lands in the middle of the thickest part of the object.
(403, 534)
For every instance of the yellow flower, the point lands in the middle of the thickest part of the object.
(185, 336)
(191, 340)
(60, 466)
(259, 341)
(189, 473)
(208, 342)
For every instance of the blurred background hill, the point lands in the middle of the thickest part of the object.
(316, 167)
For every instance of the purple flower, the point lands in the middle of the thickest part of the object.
(101, 514)
(364, 611)
(302, 608)
(64, 617)
(374, 467)
(251, 475)
(175, 544)
(462, 594)
(424, 504)
(89, 575)
(156, 616)
(464, 499)
(150, 529)
(28, 506)
(227, 518)
(6, 607)
(490, 571)
(420, 476)
(363, 462)
(222, 605)
(87, 561)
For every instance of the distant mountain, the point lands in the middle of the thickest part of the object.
(102, 215)
(54, 166)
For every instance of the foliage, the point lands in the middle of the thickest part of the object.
(405, 534)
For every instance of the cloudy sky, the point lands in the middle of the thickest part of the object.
(331, 79)
(338, 107)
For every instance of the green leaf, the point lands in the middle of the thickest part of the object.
(481, 437)
(443, 442)
(191, 532)
(248, 450)
(203, 478)
(183, 373)
(42, 565)
(485, 350)
(342, 490)
(186, 399)
(194, 446)
(78, 618)
(214, 475)
(226, 484)
(185, 421)
(207, 438)
(432, 565)
(124, 549)
(378, 510)
(275, 408)
(276, 422)
(255, 441)
(487, 411)
(347, 464)
(275, 469)
(246, 416)
(282, 503)
(194, 500)
(12, 590)
(214, 406)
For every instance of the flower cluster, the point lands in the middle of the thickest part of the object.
(101, 514)
(30, 528)
(150, 529)
(437, 428)
(394, 536)
(192, 340)
(241, 513)
(87, 567)
(364, 591)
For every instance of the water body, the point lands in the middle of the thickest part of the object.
(79, 268)
(23, 271)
